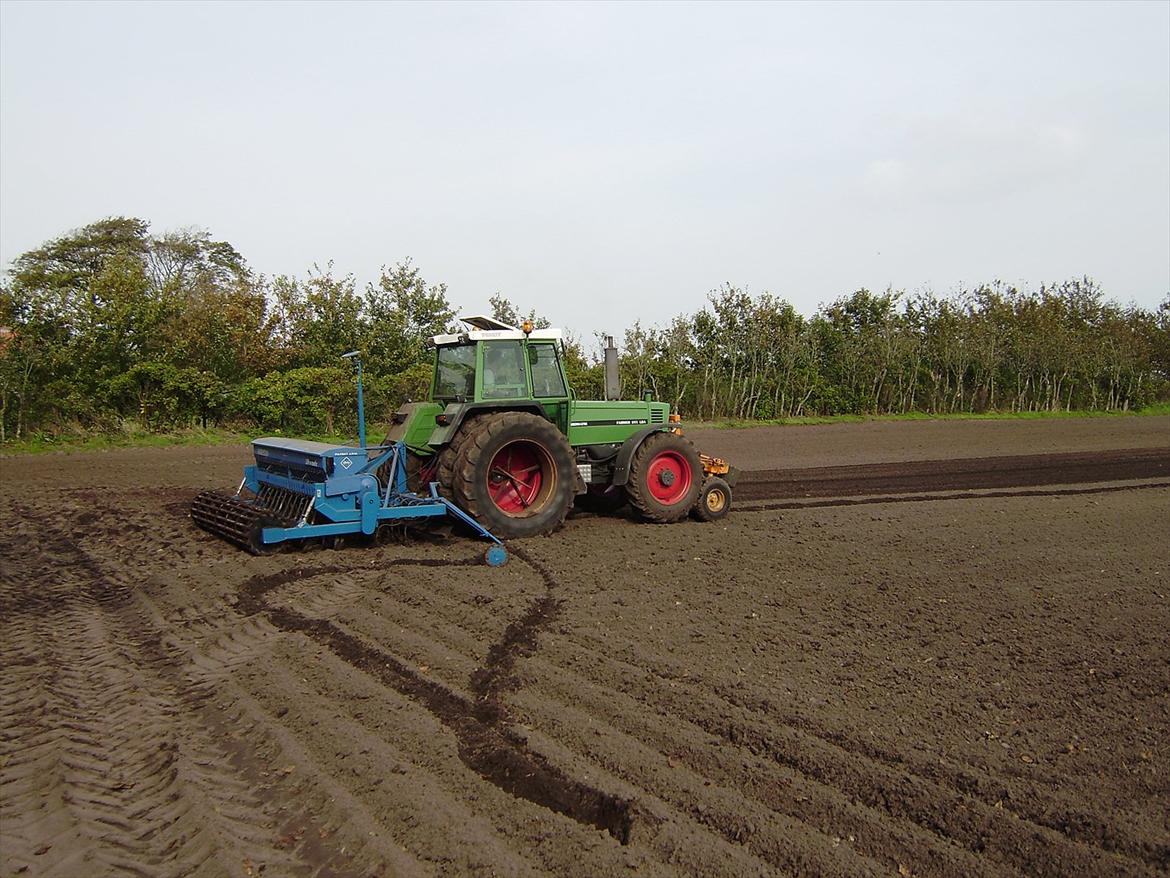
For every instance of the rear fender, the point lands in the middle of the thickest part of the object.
(456, 413)
(412, 423)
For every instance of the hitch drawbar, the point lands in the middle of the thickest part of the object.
(299, 490)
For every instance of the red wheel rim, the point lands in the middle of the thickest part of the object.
(426, 473)
(520, 478)
(668, 477)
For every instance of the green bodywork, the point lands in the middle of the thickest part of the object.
(514, 374)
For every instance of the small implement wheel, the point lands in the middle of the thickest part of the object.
(665, 478)
(714, 500)
(515, 475)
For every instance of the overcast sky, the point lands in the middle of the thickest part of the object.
(606, 163)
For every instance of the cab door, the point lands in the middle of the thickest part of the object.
(549, 387)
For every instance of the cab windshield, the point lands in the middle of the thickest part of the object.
(455, 375)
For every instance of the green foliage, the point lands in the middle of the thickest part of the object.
(110, 329)
(993, 348)
(401, 314)
(504, 311)
(317, 318)
(166, 395)
(299, 400)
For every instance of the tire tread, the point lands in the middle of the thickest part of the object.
(647, 506)
(478, 444)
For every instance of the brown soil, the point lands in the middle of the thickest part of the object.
(885, 479)
(868, 442)
(976, 682)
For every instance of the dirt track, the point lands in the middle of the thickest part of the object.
(972, 683)
(1016, 471)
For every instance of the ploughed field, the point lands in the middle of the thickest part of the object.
(925, 648)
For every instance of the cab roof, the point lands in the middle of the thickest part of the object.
(484, 328)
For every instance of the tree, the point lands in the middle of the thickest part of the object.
(111, 322)
(402, 313)
(58, 275)
(319, 318)
(504, 311)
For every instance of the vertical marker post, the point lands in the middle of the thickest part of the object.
(357, 359)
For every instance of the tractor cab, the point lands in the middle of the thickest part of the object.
(496, 363)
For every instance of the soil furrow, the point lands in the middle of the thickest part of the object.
(852, 767)
(487, 746)
(934, 498)
(619, 722)
(916, 477)
(931, 648)
(146, 788)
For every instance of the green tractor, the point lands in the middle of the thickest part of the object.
(505, 438)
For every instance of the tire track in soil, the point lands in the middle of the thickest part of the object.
(496, 678)
(713, 812)
(956, 806)
(491, 683)
(954, 813)
(910, 477)
(925, 802)
(486, 743)
(974, 788)
(129, 785)
(927, 498)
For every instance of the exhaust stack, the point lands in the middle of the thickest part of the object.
(613, 382)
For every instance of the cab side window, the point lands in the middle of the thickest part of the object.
(455, 375)
(546, 373)
(503, 371)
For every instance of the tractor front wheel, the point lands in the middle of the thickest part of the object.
(515, 475)
(665, 478)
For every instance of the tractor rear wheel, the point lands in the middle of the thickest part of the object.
(665, 478)
(515, 475)
(449, 454)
